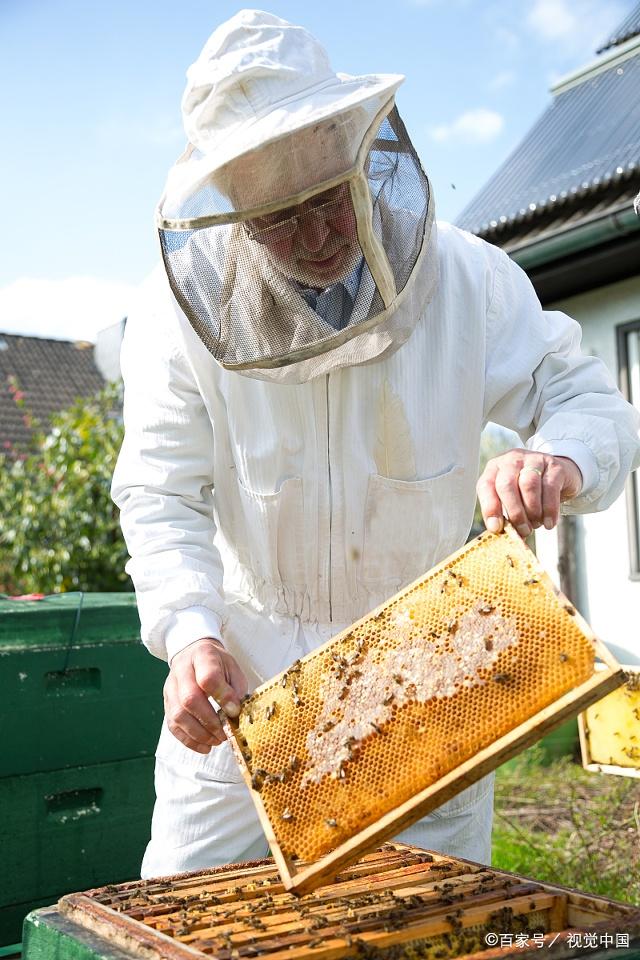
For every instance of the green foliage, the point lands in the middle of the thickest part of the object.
(563, 824)
(60, 529)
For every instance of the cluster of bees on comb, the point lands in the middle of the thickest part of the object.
(407, 694)
(393, 903)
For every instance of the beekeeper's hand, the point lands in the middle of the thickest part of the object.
(203, 669)
(527, 487)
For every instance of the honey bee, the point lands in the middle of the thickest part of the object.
(330, 822)
(257, 779)
(286, 814)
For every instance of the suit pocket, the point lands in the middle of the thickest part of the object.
(271, 543)
(410, 525)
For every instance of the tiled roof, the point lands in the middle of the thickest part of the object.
(588, 139)
(51, 374)
(630, 27)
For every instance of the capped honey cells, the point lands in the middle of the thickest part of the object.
(410, 692)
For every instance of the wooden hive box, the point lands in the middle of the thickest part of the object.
(399, 901)
(454, 675)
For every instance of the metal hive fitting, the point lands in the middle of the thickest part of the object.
(416, 701)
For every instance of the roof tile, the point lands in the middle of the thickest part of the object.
(51, 374)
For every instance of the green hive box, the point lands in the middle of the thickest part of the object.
(77, 689)
(81, 711)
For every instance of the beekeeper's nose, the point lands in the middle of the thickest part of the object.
(313, 231)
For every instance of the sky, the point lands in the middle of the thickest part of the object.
(90, 106)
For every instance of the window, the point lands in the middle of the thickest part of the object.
(629, 373)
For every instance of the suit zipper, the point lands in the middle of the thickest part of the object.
(330, 500)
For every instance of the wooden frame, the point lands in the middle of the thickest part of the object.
(432, 896)
(303, 877)
(585, 742)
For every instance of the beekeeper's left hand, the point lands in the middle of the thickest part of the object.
(526, 487)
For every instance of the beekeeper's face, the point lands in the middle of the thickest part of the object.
(315, 242)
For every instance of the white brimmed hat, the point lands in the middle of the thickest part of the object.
(260, 78)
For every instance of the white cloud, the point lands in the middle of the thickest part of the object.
(575, 28)
(473, 126)
(74, 308)
(501, 80)
(552, 19)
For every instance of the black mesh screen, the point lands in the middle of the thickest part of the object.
(289, 282)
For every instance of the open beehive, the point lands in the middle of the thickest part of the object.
(411, 704)
(610, 729)
(397, 902)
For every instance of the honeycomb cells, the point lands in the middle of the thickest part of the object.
(386, 709)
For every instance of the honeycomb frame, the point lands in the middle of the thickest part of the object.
(399, 901)
(473, 651)
(597, 717)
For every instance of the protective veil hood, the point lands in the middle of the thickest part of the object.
(305, 245)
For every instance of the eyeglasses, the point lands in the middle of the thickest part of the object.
(287, 223)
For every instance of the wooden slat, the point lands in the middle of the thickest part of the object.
(428, 928)
(429, 899)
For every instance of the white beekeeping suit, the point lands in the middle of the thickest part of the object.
(307, 378)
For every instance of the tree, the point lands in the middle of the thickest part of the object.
(60, 529)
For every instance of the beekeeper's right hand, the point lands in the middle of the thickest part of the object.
(203, 669)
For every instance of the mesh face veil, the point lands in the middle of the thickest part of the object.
(312, 252)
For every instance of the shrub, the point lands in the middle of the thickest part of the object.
(60, 529)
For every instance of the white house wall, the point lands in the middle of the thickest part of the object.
(612, 601)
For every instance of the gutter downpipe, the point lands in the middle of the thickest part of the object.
(611, 226)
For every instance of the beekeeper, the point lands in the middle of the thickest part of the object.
(307, 378)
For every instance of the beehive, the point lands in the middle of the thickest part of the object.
(412, 703)
(610, 732)
(397, 902)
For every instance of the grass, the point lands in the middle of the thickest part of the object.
(563, 824)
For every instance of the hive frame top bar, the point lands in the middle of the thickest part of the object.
(439, 901)
(302, 877)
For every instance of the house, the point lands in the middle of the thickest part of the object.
(562, 207)
(39, 377)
